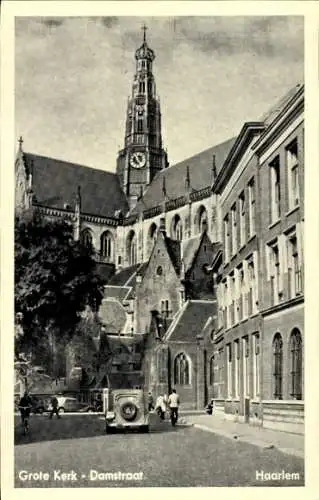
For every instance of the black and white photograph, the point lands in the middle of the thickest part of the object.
(158, 274)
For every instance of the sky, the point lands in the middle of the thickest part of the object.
(73, 76)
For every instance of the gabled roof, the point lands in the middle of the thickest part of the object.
(189, 250)
(116, 292)
(173, 248)
(200, 172)
(279, 106)
(190, 320)
(123, 277)
(55, 183)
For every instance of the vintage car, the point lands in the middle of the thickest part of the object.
(126, 409)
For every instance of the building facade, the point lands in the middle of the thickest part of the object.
(203, 258)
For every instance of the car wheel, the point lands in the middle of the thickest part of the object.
(144, 428)
(61, 410)
(109, 430)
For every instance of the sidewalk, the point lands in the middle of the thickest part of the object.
(291, 444)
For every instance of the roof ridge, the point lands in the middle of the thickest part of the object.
(175, 320)
(75, 164)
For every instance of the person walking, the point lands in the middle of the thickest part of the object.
(150, 402)
(160, 406)
(55, 407)
(173, 401)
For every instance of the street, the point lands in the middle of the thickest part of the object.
(76, 452)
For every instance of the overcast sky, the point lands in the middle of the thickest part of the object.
(73, 77)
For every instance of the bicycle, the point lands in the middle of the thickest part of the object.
(25, 419)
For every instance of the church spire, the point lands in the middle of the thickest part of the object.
(144, 28)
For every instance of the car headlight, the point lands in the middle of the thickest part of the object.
(110, 415)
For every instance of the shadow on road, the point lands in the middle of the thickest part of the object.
(75, 427)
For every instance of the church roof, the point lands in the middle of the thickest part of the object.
(200, 172)
(190, 320)
(55, 184)
(174, 251)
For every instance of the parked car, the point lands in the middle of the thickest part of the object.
(127, 409)
(69, 404)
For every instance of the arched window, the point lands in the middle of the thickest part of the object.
(86, 238)
(131, 248)
(201, 220)
(211, 370)
(107, 245)
(181, 370)
(177, 228)
(295, 351)
(277, 365)
(151, 237)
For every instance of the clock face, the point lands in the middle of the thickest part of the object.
(138, 159)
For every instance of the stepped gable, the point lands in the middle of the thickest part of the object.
(55, 184)
(200, 173)
(190, 321)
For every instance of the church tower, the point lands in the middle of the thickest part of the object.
(143, 155)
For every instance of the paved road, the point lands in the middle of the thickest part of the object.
(183, 456)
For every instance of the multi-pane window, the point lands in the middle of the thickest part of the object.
(246, 366)
(256, 365)
(274, 171)
(229, 371)
(225, 296)
(275, 273)
(242, 219)
(293, 174)
(252, 207)
(181, 370)
(233, 311)
(132, 249)
(177, 228)
(277, 366)
(86, 238)
(295, 348)
(107, 245)
(234, 228)
(237, 367)
(242, 313)
(251, 279)
(226, 238)
(294, 267)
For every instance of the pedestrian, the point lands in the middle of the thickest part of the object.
(174, 402)
(160, 406)
(55, 407)
(150, 402)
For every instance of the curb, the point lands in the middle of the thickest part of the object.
(260, 444)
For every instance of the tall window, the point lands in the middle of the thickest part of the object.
(294, 267)
(177, 228)
(201, 220)
(274, 170)
(277, 366)
(131, 248)
(162, 366)
(275, 276)
(234, 228)
(226, 303)
(86, 238)
(211, 370)
(181, 370)
(232, 306)
(152, 232)
(246, 366)
(107, 245)
(141, 87)
(293, 174)
(140, 124)
(251, 286)
(237, 367)
(252, 207)
(295, 348)
(256, 365)
(242, 219)
(226, 238)
(229, 372)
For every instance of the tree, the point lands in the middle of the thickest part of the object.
(55, 280)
